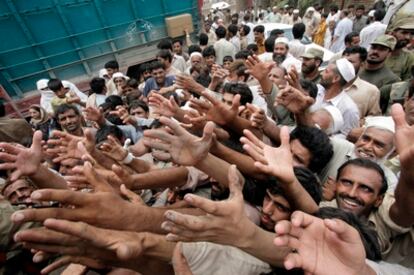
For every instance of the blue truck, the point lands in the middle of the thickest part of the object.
(72, 39)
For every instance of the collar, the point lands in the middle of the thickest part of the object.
(334, 101)
(356, 84)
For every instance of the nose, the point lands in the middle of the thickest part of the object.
(352, 193)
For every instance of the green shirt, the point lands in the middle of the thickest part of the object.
(401, 64)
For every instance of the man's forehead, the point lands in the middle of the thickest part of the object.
(378, 133)
(69, 112)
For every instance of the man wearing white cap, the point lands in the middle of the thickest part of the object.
(329, 119)
(295, 17)
(331, 92)
(372, 31)
(46, 95)
(282, 56)
(287, 16)
(375, 143)
(274, 16)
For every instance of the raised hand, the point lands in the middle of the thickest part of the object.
(184, 148)
(321, 246)
(163, 106)
(404, 135)
(180, 262)
(93, 114)
(186, 82)
(216, 110)
(258, 69)
(222, 220)
(293, 78)
(294, 100)
(257, 117)
(274, 161)
(113, 149)
(20, 160)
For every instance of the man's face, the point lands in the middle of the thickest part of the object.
(377, 54)
(159, 75)
(111, 71)
(227, 64)
(119, 81)
(126, 90)
(61, 92)
(277, 76)
(403, 38)
(146, 75)
(300, 154)
(309, 65)
(357, 190)
(163, 61)
(355, 41)
(196, 60)
(275, 208)
(258, 36)
(374, 144)
(70, 121)
(280, 50)
(210, 60)
(177, 48)
(409, 110)
(139, 113)
(359, 13)
(328, 75)
(207, 27)
(228, 98)
(67, 165)
(18, 192)
(355, 61)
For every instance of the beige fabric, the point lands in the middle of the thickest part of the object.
(214, 259)
(384, 268)
(366, 96)
(15, 130)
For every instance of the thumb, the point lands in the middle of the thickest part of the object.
(284, 136)
(236, 103)
(37, 141)
(208, 131)
(398, 116)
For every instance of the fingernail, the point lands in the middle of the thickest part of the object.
(16, 237)
(36, 195)
(17, 217)
(189, 198)
(170, 216)
(165, 226)
(169, 237)
(37, 258)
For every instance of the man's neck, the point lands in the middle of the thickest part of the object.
(332, 92)
(374, 67)
(396, 52)
(312, 75)
(78, 132)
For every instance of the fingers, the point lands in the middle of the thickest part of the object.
(99, 183)
(236, 103)
(204, 204)
(179, 262)
(284, 136)
(173, 125)
(208, 131)
(44, 236)
(301, 219)
(344, 231)
(235, 183)
(398, 116)
(293, 260)
(255, 140)
(37, 141)
(157, 144)
(160, 134)
(131, 196)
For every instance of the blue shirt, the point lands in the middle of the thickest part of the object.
(151, 84)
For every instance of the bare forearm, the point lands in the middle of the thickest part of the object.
(272, 131)
(239, 124)
(216, 168)
(401, 211)
(299, 197)
(161, 178)
(157, 246)
(45, 178)
(140, 166)
(243, 162)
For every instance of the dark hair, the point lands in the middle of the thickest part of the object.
(233, 29)
(368, 235)
(360, 7)
(157, 65)
(356, 50)
(177, 40)
(138, 104)
(194, 48)
(55, 84)
(239, 68)
(114, 119)
(246, 17)
(133, 83)
(221, 32)
(97, 85)
(318, 144)
(310, 182)
(113, 64)
(203, 39)
(348, 38)
(350, 6)
(131, 97)
(325, 15)
(228, 58)
(345, 12)
(103, 133)
(252, 48)
(63, 108)
(276, 32)
(379, 14)
(309, 86)
(165, 44)
(209, 51)
(246, 29)
(243, 54)
(369, 164)
(298, 30)
(242, 89)
(2, 109)
(270, 44)
(145, 67)
(259, 28)
(333, 7)
(165, 54)
(114, 100)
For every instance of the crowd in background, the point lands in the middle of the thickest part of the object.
(244, 148)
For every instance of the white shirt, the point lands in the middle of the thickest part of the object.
(345, 104)
(342, 29)
(371, 32)
(250, 36)
(266, 56)
(296, 48)
(235, 40)
(258, 100)
(179, 63)
(223, 48)
(291, 61)
(72, 88)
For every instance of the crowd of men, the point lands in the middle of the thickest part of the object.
(235, 151)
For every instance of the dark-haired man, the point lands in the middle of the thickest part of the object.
(223, 47)
(159, 78)
(311, 61)
(70, 119)
(360, 20)
(259, 38)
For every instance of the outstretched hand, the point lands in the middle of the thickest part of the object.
(20, 160)
(321, 246)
